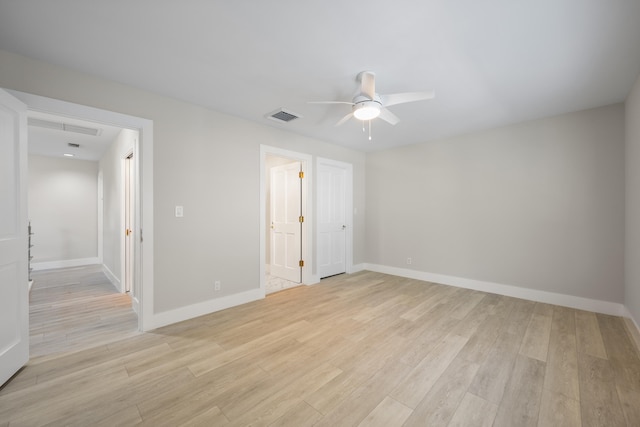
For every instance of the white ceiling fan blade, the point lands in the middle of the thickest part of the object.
(344, 119)
(368, 84)
(388, 116)
(330, 102)
(402, 98)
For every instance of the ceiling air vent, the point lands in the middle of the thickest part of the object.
(283, 116)
(63, 127)
(73, 145)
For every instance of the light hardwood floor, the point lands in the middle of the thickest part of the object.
(361, 350)
(72, 309)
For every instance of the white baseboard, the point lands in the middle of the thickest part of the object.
(604, 307)
(135, 305)
(48, 265)
(633, 327)
(356, 268)
(112, 278)
(205, 307)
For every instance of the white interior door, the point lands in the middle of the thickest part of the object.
(14, 286)
(332, 220)
(286, 228)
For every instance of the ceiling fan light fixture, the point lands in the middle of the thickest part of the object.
(367, 110)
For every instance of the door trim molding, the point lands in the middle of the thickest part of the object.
(309, 275)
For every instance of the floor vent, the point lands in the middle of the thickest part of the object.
(46, 124)
(283, 116)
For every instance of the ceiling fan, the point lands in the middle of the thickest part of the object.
(368, 105)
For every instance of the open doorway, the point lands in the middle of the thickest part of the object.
(78, 186)
(285, 235)
(142, 250)
(285, 219)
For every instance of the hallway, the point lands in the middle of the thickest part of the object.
(76, 308)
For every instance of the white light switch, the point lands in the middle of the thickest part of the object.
(179, 211)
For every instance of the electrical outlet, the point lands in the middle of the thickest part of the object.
(409, 261)
(217, 285)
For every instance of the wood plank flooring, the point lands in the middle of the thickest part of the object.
(75, 308)
(356, 350)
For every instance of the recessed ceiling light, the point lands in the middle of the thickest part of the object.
(68, 155)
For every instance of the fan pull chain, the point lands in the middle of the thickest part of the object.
(369, 130)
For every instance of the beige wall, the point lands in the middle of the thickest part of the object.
(538, 205)
(632, 232)
(203, 160)
(63, 208)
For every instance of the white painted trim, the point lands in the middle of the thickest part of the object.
(65, 263)
(135, 304)
(112, 278)
(348, 168)
(145, 174)
(100, 207)
(633, 327)
(308, 276)
(205, 307)
(358, 268)
(632, 319)
(571, 301)
(128, 151)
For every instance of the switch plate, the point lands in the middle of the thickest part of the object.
(179, 211)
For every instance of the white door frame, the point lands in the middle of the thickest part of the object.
(348, 168)
(144, 197)
(308, 275)
(129, 185)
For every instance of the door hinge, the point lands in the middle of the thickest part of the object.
(301, 218)
(301, 174)
(301, 263)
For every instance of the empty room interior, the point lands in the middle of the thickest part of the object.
(330, 214)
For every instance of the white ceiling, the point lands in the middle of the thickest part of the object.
(490, 62)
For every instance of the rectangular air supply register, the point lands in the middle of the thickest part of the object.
(283, 116)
